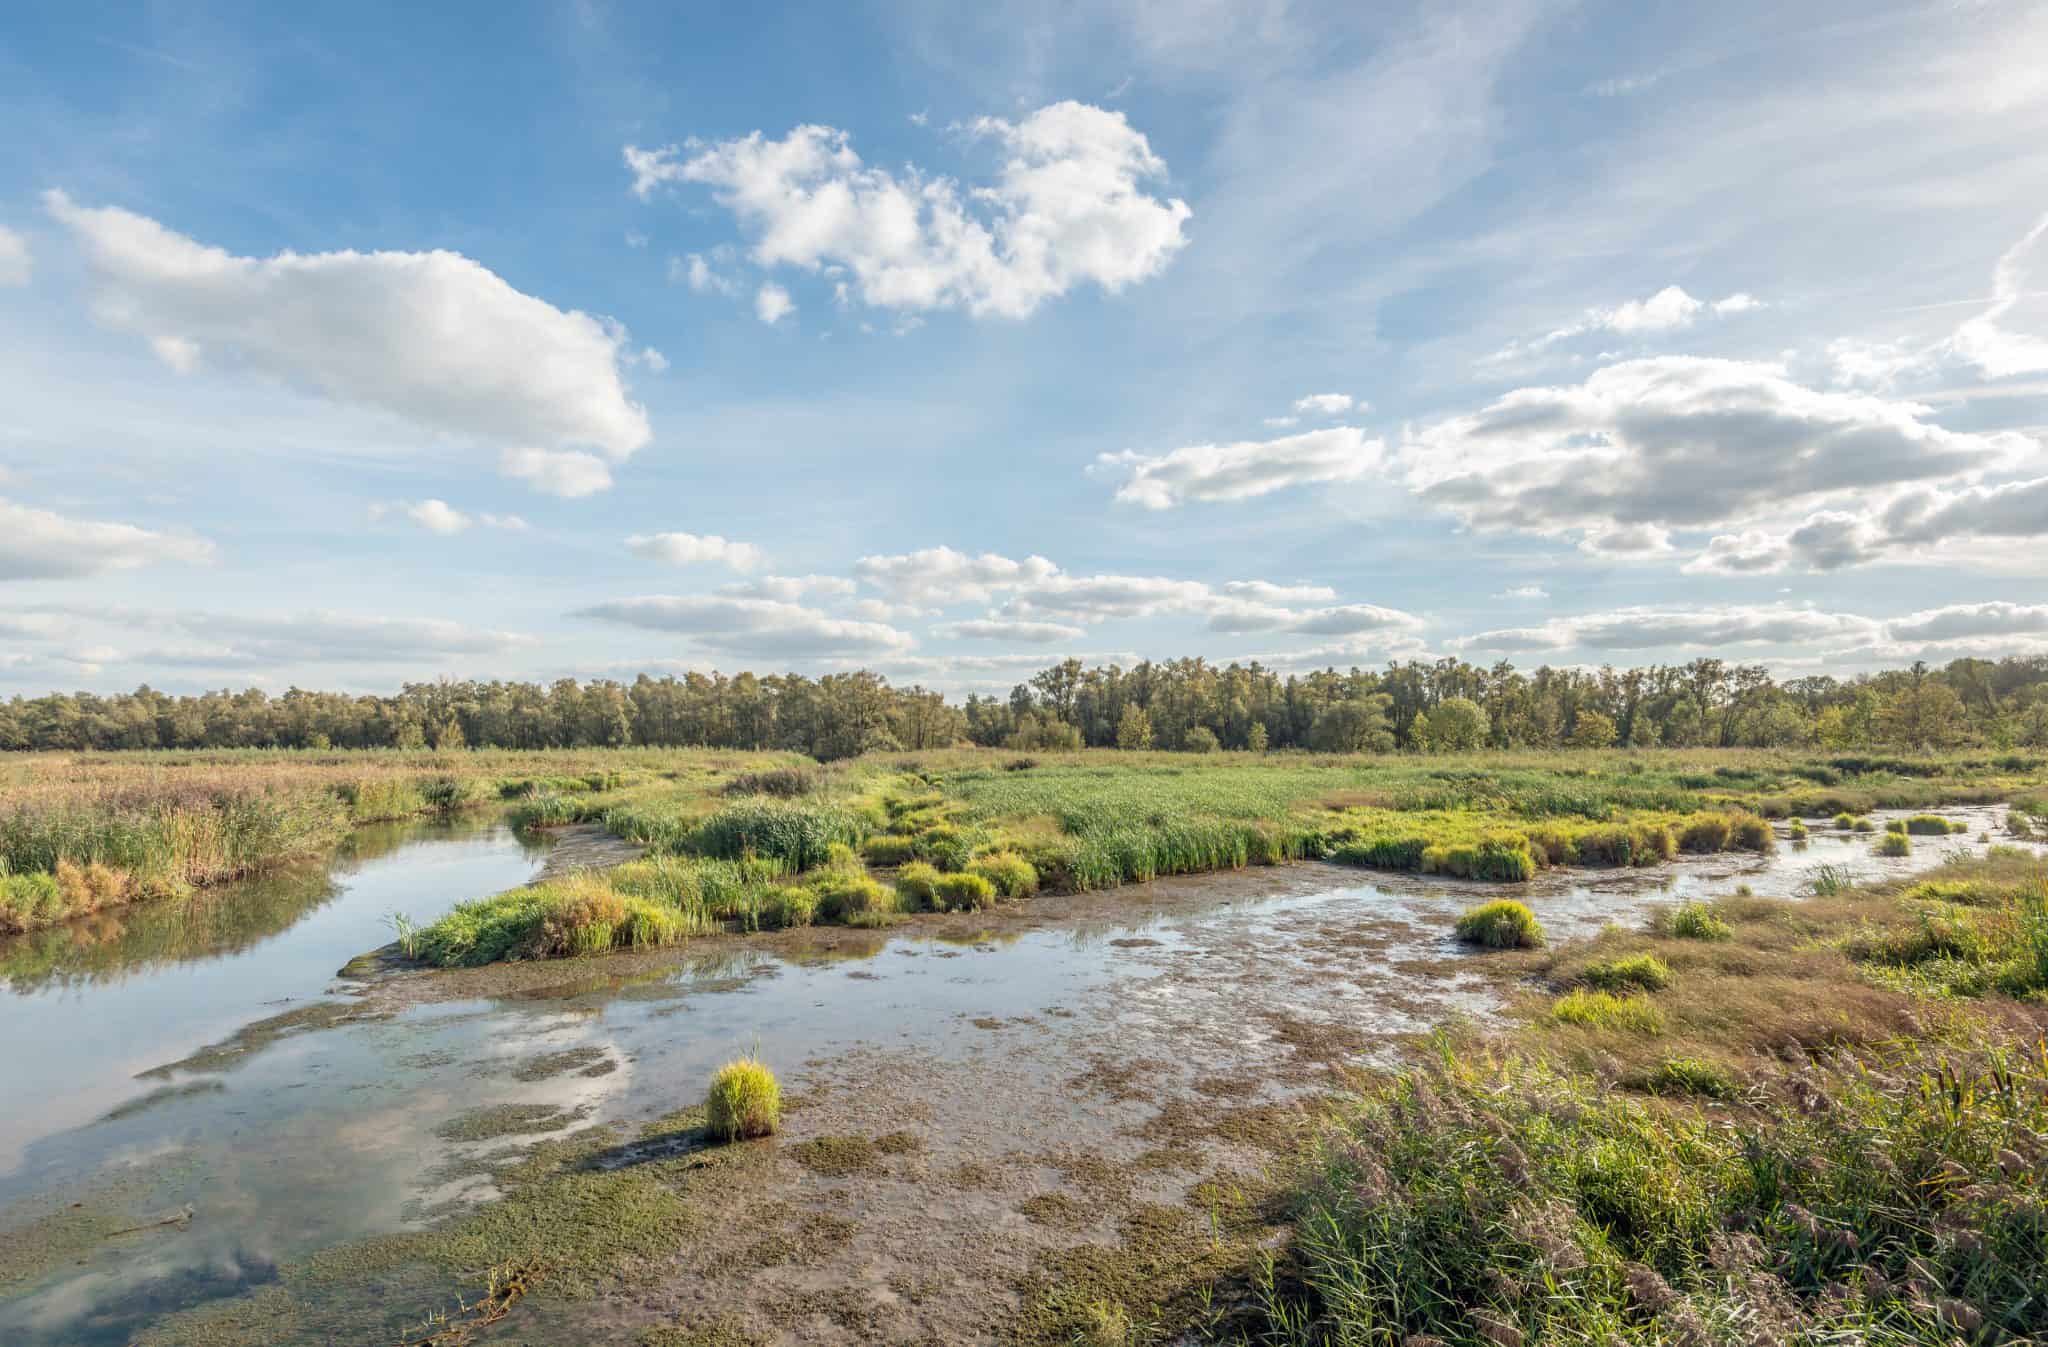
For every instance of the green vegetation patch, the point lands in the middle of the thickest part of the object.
(1501, 924)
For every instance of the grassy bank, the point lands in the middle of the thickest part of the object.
(865, 841)
(1812, 1122)
(88, 833)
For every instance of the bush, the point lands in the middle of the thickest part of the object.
(964, 892)
(884, 849)
(917, 884)
(1644, 972)
(1010, 874)
(1605, 1010)
(744, 1101)
(1501, 924)
(1895, 844)
(1696, 921)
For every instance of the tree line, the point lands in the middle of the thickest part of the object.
(1186, 704)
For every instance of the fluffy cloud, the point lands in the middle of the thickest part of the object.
(1669, 310)
(755, 627)
(569, 473)
(687, 549)
(938, 577)
(1965, 620)
(1918, 522)
(1523, 592)
(1005, 629)
(15, 261)
(434, 337)
(1068, 208)
(1241, 471)
(1353, 619)
(1327, 404)
(1098, 598)
(1261, 591)
(772, 304)
(1679, 442)
(438, 516)
(42, 545)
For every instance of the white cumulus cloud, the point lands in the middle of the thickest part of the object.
(1242, 470)
(15, 260)
(1067, 208)
(43, 545)
(772, 304)
(434, 337)
(762, 628)
(568, 473)
(1327, 404)
(686, 549)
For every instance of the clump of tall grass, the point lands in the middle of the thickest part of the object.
(1502, 1201)
(1506, 858)
(578, 914)
(1593, 1009)
(1845, 821)
(889, 849)
(744, 1101)
(801, 834)
(1895, 844)
(1008, 873)
(1933, 825)
(1628, 972)
(1796, 830)
(1693, 921)
(1692, 1076)
(1501, 924)
(787, 783)
(963, 892)
(917, 885)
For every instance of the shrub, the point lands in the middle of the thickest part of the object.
(1605, 1010)
(1010, 874)
(1696, 921)
(1501, 924)
(744, 1101)
(1645, 972)
(1895, 844)
(917, 884)
(884, 849)
(964, 892)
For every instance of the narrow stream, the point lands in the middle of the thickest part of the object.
(137, 1087)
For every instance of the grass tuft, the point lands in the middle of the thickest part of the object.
(745, 1101)
(1501, 924)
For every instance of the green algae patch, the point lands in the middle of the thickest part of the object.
(509, 1120)
(579, 1214)
(250, 1039)
(837, 1157)
(588, 1061)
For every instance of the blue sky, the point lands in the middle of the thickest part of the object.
(950, 340)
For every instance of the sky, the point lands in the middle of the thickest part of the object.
(347, 348)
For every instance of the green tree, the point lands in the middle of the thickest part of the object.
(1255, 737)
(1354, 725)
(1134, 728)
(1457, 725)
(1591, 729)
(1200, 739)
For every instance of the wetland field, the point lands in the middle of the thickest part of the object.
(1662, 1046)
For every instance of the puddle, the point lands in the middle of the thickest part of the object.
(1064, 1025)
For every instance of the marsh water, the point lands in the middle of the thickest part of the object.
(193, 1098)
